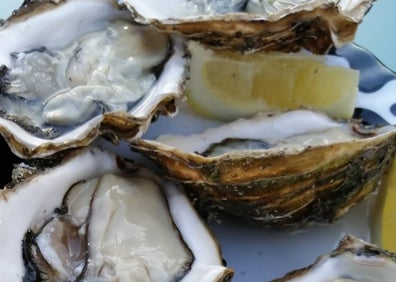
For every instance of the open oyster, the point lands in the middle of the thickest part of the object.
(73, 70)
(284, 170)
(352, 260)
(98, 217)
(250, 25)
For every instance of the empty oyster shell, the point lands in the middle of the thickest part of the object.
(352, 260)
(73, 70)
(96, 216)
(251, 25)
(284, 170)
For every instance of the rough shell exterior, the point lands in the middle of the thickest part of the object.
(313, 25)
(315, 185)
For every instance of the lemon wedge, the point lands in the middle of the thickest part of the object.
(226, 85)
(388, 214)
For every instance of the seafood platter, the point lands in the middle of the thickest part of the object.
(182, 140)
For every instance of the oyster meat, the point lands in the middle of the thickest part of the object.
(105, 219)
(284, 170)
(103, 74)
(352, 260)
(253, 25)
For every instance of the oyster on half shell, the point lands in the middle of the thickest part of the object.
(73, 70)
(97, 217)
(285, 170)
(251, 25)
(352, 260)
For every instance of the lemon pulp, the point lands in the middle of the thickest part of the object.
(226, 85)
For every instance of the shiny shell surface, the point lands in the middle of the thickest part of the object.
(69, 229)
(75, 70)
(352, 260)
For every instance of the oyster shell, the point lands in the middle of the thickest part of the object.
(252, 25)
(352, 260)
(74, 70)
(284, 170)
(97, 216)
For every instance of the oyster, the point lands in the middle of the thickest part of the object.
(352, 260)
(284, 170)
(251, 25)
(95, 216)
(73, 70)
